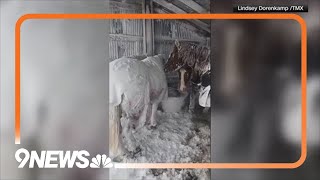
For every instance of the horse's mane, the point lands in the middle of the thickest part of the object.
(156, 60)
(195, 56)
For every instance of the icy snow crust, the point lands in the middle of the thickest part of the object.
(176, 139)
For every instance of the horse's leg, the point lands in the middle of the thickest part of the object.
(192, 99)
(153, 121)
(143, 116)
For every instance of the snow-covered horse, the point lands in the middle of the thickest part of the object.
(192, 63)
(135, 87)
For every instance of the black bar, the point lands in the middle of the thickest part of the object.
(269, 8)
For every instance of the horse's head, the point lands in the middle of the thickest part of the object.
(174, 62)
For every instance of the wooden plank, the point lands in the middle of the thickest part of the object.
(186, 25)
(144, 28)
(180, 40)
(148, 26)
(171, 7)
(127, 37)
(125, 6)
(193, 5)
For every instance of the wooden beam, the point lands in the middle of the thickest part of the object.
(125, 36)
(214, 75)
(179, 39)
(186, 25)
(171, 7)
(144, 28)
(148, 27)
(194, 6)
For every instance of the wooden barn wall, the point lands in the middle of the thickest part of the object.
(167, 31)
(126, 35)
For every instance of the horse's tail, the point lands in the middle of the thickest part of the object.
(114, 127)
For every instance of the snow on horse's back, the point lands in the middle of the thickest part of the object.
(132, 78)
(134, 87)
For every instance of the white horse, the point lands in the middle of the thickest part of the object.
(134, 87)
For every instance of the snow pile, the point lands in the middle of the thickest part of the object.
(173, 104)
(176, 139)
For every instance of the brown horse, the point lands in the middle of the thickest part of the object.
(191, 61)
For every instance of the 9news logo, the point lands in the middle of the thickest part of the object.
(61, 159)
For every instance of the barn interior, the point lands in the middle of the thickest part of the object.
(180, 136)
(58, 84)
(141, 38)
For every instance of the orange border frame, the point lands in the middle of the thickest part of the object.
(297, 18)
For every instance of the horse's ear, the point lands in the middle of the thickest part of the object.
(177, 43)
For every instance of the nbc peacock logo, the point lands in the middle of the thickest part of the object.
(101, 161)
(61, 159)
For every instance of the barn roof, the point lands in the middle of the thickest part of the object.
(186, 6)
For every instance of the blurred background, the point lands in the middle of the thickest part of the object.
(256, 85)
(256, 114)
(64, 90)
